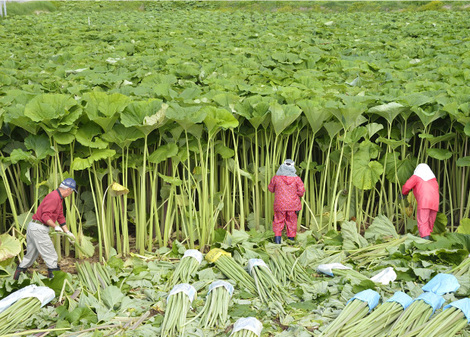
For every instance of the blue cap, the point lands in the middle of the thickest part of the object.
(69, 183)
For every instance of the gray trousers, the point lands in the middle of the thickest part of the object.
(39, 242)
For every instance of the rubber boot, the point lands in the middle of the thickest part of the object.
(277, 239)
(18, 271)
(291, 238)
(427, 237)
(50, 271)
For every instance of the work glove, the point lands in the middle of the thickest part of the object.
(58, 229)
(70, 235)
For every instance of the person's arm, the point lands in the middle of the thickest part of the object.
(272, 185)
(300, 188)
(410, 183)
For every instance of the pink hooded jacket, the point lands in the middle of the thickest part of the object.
(287, 192)
(424, 186)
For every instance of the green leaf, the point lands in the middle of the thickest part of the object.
(381, 227)
(388, 111)
(464, 227)
(18, 155)
(55, 113)
(85, 163)
(316, 114)
(217, 118)
(40, 144)
(103, 108)
(440, 225)
(186, 116)
(57, 282)
(366, 173)
(283, 116)
(170, 180)
(88, 135)
(440, 154)
(144, 115)
(82, 315)
(86, 246)
(255, 109)
(351, 238)
(121, 135)
(10, 247)
(112, 297)
(163, 152)
(464, 161)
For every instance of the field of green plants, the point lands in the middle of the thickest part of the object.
(191, 107)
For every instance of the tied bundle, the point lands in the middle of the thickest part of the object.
(215, 311)
(447, 323)
(187, 266)
(230, 268)
(178, 304)
(268, 288)
(378, 323)
(356, 309)
(416, 314)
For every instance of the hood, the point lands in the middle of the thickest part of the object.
(424, 172)
(287, 169)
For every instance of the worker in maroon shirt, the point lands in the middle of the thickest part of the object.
(38, 241)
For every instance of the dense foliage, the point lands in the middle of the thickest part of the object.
(193, 110)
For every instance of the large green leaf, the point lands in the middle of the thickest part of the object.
(350, 114)
(10, 247)
(440, 154)
(255, 109)
(89, 135)
(428, 117)
(103, 108)
(366, 173)
(163, 152)
(388, 111)
(186, 116)
(351, 238)
(464, 227)
(54, 112)
(381, 227)
(85, 163)
(217, 118)
(40, 144)
(121, 135)
(464, 161)
(144, 115)
(316, 114)
(283, 116)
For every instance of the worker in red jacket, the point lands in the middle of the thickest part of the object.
(49, 213)
(426, 191)
(288, 188)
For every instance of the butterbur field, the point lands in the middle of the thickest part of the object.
(173, 117)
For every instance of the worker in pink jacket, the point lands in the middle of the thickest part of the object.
(288, 188)
(426, 191)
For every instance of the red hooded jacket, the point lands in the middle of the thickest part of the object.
(425, 188)
(287, 192)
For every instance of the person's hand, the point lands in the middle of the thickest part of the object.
(58, 229)
(401, 196)
(70, 235)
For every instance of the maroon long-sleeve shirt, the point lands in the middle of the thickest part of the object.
(51, 208)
